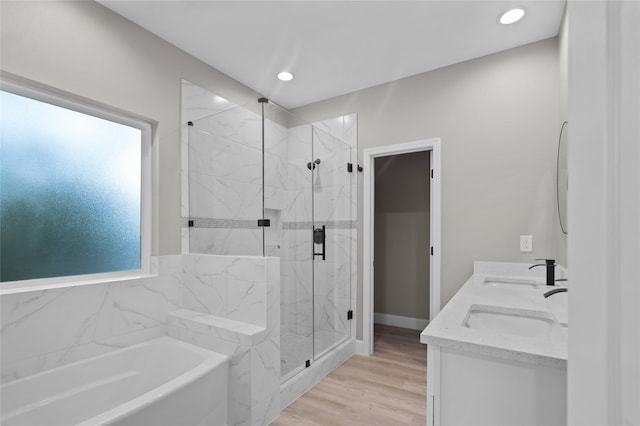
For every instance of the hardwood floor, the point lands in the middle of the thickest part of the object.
(387, 388)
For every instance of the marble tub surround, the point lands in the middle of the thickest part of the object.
(448, 328)
(45, 329)
(233, 307)
(229, 304)
(254, 373)
(220, 328)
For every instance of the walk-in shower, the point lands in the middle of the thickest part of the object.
(262, 182)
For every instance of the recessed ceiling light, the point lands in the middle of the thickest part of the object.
(511, 16)
(285, 76)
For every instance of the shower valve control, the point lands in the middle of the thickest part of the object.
(319, 237)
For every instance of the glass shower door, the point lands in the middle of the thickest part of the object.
(296, 261)
(331, 188)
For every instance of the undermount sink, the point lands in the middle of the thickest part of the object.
(530, 283)
(514, 322)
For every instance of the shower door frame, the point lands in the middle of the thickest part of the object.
(369, 156)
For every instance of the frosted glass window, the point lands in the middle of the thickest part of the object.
(70, 192)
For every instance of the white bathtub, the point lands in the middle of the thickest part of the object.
(160, 382)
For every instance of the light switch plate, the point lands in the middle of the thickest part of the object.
(526, 243)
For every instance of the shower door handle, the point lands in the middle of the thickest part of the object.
(320, 237)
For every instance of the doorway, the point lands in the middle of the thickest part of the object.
(431, 239)
(401, 240)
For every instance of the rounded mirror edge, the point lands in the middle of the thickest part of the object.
(562, 181)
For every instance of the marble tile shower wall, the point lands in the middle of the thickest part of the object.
(196, 103)
(224, 177)
(224, 158)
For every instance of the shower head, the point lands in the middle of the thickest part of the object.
(312, 165)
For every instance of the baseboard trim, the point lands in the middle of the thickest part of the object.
(399, 321)
(361, 349)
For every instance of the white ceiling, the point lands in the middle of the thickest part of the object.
(337, 47)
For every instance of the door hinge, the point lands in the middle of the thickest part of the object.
(431, 173)
(350, 167)
(190, 223)
(431, 250)
(307, 364)
(349, 314)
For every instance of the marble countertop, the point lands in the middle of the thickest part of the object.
(448, 328)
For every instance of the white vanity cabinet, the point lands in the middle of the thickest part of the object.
(467, 388)
(497, 352)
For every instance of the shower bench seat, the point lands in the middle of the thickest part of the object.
(254, 361)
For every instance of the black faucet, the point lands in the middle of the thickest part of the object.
(551, 270)
(555, 290)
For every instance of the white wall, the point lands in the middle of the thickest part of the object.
(498, 117)
(604, 213)
(85, 49)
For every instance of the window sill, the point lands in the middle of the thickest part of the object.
(27, 286)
